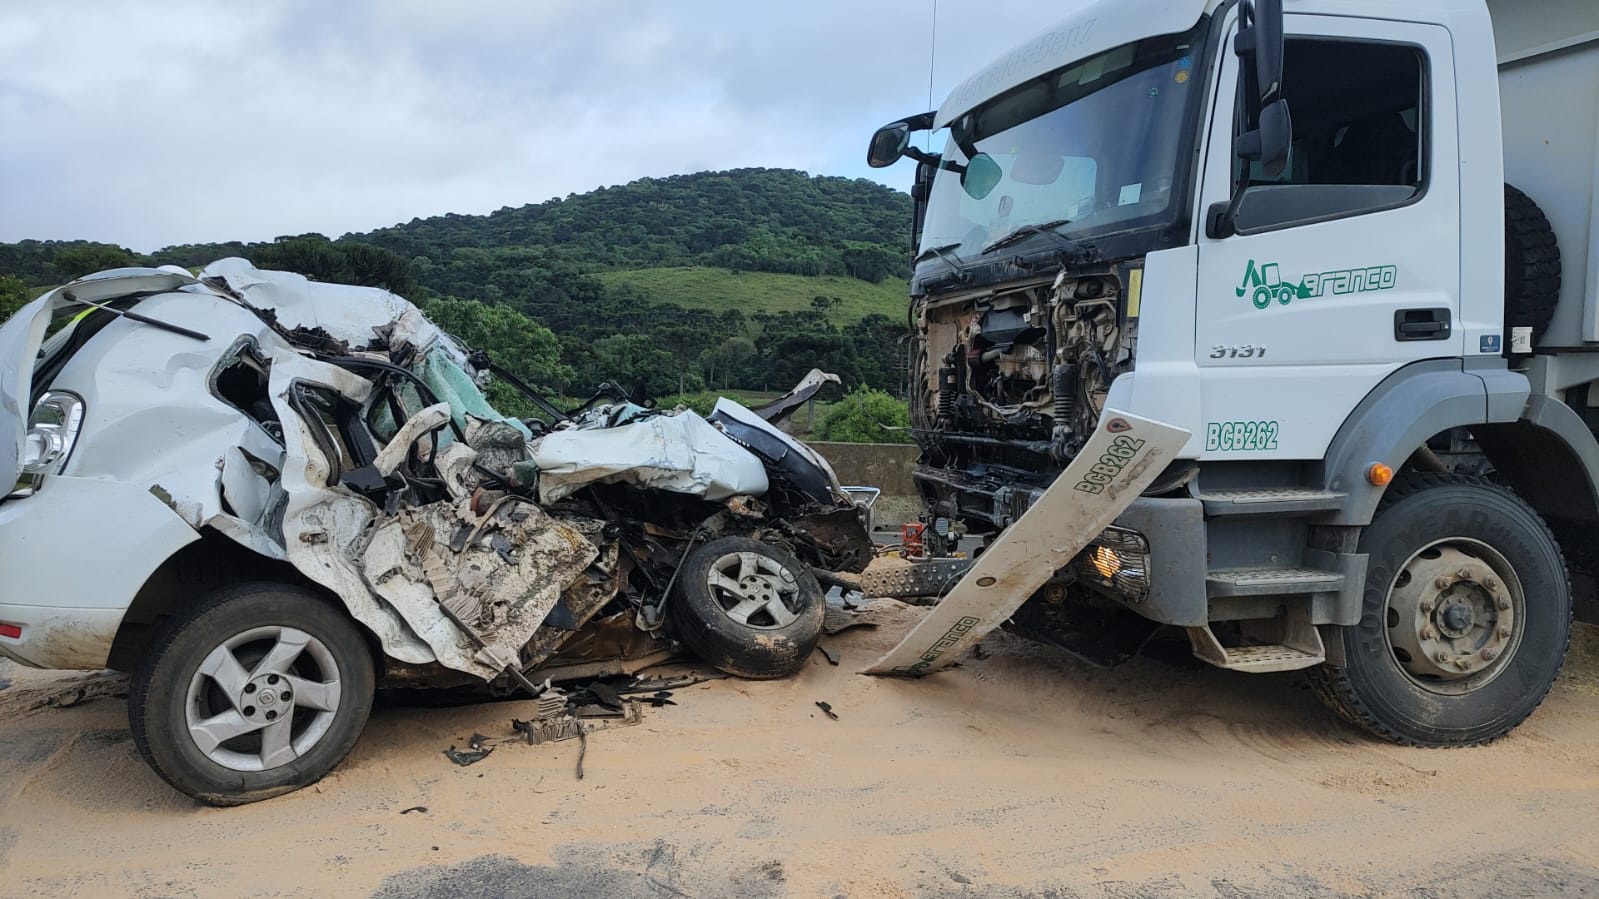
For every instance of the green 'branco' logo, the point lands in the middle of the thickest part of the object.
(1264, 283)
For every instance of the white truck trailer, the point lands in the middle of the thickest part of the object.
(1350, 247)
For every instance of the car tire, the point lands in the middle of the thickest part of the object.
(261, 689)
(749, 608)
(1465, 618)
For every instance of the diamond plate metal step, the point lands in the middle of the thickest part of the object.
(1271, 501)
(1270, 581)
(931, 578)
(1264, 659)
(1301, 646)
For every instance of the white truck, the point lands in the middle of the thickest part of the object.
(1349, 247)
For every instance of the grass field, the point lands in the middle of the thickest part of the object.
(717, 288)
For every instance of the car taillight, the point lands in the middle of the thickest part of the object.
(52, 431)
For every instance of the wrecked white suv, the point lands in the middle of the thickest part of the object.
(263, 496)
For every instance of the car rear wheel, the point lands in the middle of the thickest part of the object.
(261, 690)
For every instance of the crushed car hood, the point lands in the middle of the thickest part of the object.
(682, 453)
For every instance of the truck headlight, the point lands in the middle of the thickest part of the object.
(52, 432)
(1116, 561)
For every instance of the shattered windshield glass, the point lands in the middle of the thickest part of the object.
(1086, 148)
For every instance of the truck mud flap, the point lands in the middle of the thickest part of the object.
(1122, 457)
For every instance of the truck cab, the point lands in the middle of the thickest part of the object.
(1285, 228)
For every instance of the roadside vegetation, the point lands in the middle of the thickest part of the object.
(865, 415)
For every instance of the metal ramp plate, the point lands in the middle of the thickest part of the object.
(911, 579)
(1123, 456)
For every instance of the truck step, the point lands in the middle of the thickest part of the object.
(1301, 647)
(1262, 659)
(1270, 581)
(1270, 501)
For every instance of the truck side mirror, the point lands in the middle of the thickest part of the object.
(1270, 140)
(893, 141)
(888, 145)
(1259, 46)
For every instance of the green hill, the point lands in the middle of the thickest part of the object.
(771, 220)
(702, 279)
(702, 287)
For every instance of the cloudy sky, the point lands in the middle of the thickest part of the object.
(153, 123)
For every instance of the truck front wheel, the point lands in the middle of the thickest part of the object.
(1465, 619)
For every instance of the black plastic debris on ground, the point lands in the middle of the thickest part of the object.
(831, 655)
(560, 712)
(415, 808)
(827, 709)
(631, 685)
(605, 695)
(480, 749)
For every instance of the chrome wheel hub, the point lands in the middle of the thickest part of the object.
(1454, 615)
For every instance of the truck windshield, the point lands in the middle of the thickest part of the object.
(1088, 148)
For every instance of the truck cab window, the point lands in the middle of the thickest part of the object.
(1358, 116)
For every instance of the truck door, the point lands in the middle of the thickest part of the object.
(1347, 265)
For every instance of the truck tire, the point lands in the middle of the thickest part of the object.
(1532, 265)
(749, 608)
(260, 690)
(1465, 618)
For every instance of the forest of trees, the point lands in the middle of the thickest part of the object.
(520, 283)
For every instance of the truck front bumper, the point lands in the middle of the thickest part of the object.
(1173, 584)
(1153, 560)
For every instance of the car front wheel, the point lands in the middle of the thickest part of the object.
(749, 608)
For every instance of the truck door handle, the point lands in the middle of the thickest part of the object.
(1421, 324)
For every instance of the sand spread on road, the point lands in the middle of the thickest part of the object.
(1016, 774)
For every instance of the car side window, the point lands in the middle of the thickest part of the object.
(1359, 120)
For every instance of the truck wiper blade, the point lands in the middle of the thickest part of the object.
(942, 252)
(1027, 231)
